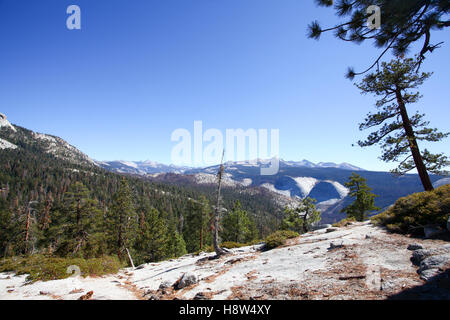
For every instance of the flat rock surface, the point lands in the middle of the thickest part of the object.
(374, 267)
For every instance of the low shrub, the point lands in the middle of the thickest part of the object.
(409, 214)
(44, 268)
(208, 248)
(344, 222)
(232, 245)
(279, 238)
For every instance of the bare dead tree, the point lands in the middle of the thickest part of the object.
(219, 251)
(29, 221)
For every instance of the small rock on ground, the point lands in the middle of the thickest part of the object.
(187, 280)
(414, 246)
(336, 245)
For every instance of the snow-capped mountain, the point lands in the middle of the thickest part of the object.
(295, 179)
(324, 182)
(140, 167)
(344, 166)
(151, 167)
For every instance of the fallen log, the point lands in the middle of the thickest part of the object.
(351, 277)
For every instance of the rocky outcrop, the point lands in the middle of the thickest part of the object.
(5, 123)
(432, 262)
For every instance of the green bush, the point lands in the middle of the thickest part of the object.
(409, 214)
(232, 245)
(344, 222)
(279, 238)
(44, 268)
(208, 248)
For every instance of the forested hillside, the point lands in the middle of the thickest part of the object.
(55, 200)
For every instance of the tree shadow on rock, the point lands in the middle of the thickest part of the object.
(437, 288)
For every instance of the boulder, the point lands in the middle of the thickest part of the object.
(419, 255)
(414, 246)
(435, 262)
(187, 280)
(429, 274)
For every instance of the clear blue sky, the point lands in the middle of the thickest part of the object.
(140, 69)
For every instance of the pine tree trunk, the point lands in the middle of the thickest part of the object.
(119, 239)
(131, 259)
(27, 230)
(219, 251)
(201, 238)
(420, 166)
(305, 227)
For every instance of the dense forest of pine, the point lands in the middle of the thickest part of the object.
(49, 205)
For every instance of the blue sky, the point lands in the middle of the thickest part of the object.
(137, 70)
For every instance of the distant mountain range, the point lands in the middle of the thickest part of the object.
(325, 184)
(151, 167)
(140, 167)
(323, 181)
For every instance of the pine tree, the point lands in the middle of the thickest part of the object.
(403, 22)
(293, 220)
(81, 223)
(253, 233)
(152, 241)
(237, 225)
(9, 230)
(122, 221)
(364, 199)
(302, 217)
(176, 246)
(29, 226)
(400, 132)
(196, 225)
